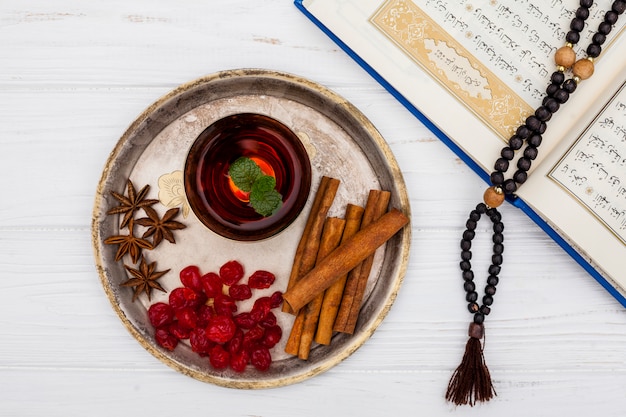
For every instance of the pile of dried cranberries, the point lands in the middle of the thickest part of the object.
(204, 311)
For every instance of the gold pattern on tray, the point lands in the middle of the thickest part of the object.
(172, 191)
(450, 64)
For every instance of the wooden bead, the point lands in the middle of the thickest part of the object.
(565, 57)
(583, 69)
(493, 197)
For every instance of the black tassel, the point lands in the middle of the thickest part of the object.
(471, 381)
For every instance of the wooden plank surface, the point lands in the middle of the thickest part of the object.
(73, 76)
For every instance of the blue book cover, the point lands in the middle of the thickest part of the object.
(611, 287)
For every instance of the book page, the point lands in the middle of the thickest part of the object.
(475, 68)
(581, 188)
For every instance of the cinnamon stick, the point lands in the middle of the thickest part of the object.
(334, 293)
(348, 255)
(356, 284)
(331, 237)
(306, 252)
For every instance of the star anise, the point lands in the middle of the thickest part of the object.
(129, 244)
(129, 205)
(160, 228)
(144, 279)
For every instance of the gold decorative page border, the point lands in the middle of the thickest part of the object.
(450, 64)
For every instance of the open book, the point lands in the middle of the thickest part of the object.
(473, 70)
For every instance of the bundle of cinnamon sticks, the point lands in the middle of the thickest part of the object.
(332, 265)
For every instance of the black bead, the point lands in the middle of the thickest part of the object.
(619, 6)
(493, 280)
(471, 296)
(509, 186)
(557, 77)
(551, 89)
(598, 39)
(516, 142)
(501, 165)
(551, 104)
(485, 310)
(470, 224)
(473, 307)
(531, 152)
(611, 17)
(586, 3)
(497, 238)
(604, 28)
(507, 153)
(468, 235)
(494, 215)
(520, 176)
(572, 37)
(543, 114)
(582, 13)
(497, 178)
(535, 140)
(497, 259)
(466, 244)
(479, 318)
(570, 86)
(465, 266)
(524, 164)
(498, 248)
(494, 270)
(498, 227)
(533, 123)
(490, 290)
(522, 132)
(594, 50)
(561, 96)
(474, 215)
(577, 24)
(466, 255)
(481, 208)
(487, 300)
(467, 275)
(469, 286)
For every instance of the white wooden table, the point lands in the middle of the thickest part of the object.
(73, 75)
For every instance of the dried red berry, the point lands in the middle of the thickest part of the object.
(160, 314)
(261, 307)
(240, 292)
(221, 329)
(191, 277)
(272, 336)
(211, 284)
(239, 361)
(187, 318)
(165, 339)
(179, 331)
(219, 357)
(244, 320)
(253, 336)
(224, 305)
(205, 313)
(235, 345)
(183, 297)
(260, 358)
(261, 280)
(276, 299)
(199, 341)
(269, 320)
(231, 272)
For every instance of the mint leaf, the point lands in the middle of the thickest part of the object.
(264, 198)
(244, 172)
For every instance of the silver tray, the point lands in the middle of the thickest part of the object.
(341, 143)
